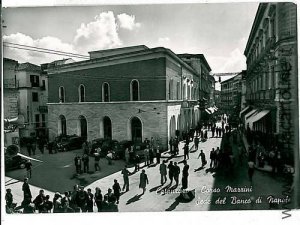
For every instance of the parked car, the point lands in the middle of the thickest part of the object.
(106, 145)
(70, 143)
(14, 162)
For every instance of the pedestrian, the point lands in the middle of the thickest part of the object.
(151, 155)
(85, 160)
(137, 162)
(203, 159)
(81, 199)
(57, 206)
(158, 155)
(125, 173)
(152, 142)
(98, 199)
(29, 147)
(250, 170)
(205, 135)
(117, 190)
(77, 161)
(48, 205)
(163, 172)
(212, 157)
(39, 201)
(33, 147)
(66, 199)
(111, 198)
(143, 181)
(73, 197)
(9, 201)
(171, 171)
(196, 142)
(127, 156)
(186, 152)
(109, 157)
(28, 166)
(89, 201)
(185, 174)
(213, 129)
(176, 146)
(176, 173)
(85, 147)
(146, 155)
(97, 159)
(26, 193)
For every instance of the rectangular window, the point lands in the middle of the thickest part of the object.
(43, 120)
(35, 97)
(34, 80)
(43, 85)
(37, 120)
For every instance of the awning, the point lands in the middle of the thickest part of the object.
(206, 110)
(244, 110)
(256, 117)
(249, 114)
(211, 109)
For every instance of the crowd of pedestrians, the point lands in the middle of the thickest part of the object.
(81, 200)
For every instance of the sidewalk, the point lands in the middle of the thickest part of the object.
(266, 168)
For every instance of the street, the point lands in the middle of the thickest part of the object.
(58, 172)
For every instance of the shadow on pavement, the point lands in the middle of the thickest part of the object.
(134, 199)
(155, 188)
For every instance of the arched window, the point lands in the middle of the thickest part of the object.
(135, 90)
(105, 92)
(61, 94)
(136, 130)
(82, 126)
(107, 128)
(62, 125)
(81, 93)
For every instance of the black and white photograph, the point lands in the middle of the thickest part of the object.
(140, 107)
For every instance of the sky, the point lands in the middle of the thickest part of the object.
(219, 31)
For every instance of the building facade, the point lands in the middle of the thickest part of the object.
(33, 98)
(128, 93)
(272, 75)
(231, 93)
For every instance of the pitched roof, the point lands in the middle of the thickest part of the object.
(28, 67)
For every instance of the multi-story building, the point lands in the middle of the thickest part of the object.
(128, 93)
(271, 79)
(33, 98)
(231, 92)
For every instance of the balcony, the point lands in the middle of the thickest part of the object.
(43, 109)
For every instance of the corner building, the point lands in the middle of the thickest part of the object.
(128, 93)
(272, 77)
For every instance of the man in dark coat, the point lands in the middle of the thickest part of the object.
(28, 166)
(171, 171)
(39, 201)
(89, 202)
(212, 157)
(85, 160)
(176, 173)
(186, 151)
(117, 190)
(185, 174)
(77, 161)
(81, 199)
(26, 193)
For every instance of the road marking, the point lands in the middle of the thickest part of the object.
(66, 166)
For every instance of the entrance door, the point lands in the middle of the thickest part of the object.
(136, 130)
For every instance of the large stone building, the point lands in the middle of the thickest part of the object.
(128, 93)
(272, 76)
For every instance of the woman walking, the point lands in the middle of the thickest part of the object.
(143, 181)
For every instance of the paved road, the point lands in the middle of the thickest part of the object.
(203, 181)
